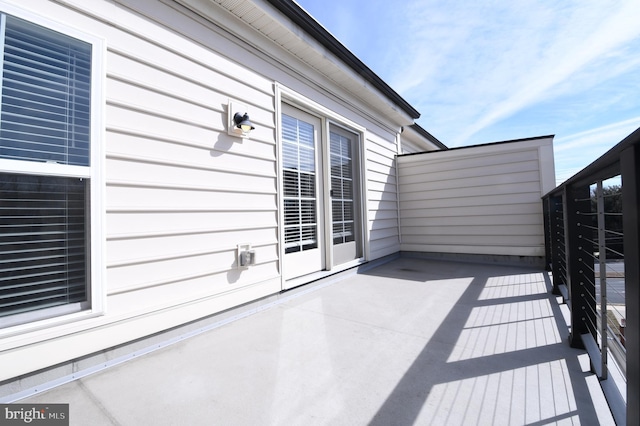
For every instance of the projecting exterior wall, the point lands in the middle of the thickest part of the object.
(481, 200)
(180, 193)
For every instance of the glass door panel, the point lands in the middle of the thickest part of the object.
(302, 193)
(345, 205)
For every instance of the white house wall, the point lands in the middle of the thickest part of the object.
(381, 197)
(478, 200)
(180, 193)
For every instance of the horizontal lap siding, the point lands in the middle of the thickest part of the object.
(382, 197)
(181, 194)
(477, 200)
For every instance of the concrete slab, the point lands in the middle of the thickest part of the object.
(414, 341)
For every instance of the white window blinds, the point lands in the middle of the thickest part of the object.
(42, 243)
(342, 200)
(46, 79)
(299, 170)
(44, 117)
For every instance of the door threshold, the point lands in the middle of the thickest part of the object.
(315, 276)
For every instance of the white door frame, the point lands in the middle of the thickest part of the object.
(327, 117)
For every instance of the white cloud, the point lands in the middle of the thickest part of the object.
(599, 136)
(575, 152)
(469, 67)
(494, 70)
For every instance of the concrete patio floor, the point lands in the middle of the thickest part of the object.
(413, 341)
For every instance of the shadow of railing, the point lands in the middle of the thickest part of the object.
(498, 356)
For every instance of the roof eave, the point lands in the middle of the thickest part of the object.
(307, 23)
(422, 132)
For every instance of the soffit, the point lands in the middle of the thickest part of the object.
(277, 28)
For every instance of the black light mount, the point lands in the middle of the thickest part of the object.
(242, 122)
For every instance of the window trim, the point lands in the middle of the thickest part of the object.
(95, 172)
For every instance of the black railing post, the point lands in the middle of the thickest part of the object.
(548, 241)
(557, 240)
(630, 170)
(581, 279)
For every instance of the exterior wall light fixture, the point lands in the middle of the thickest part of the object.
(238, 124)
(242, 122)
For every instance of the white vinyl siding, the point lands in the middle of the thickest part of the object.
(476, 200)
(382, 196)
(179, 193)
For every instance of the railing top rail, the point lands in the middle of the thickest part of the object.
(608, 165)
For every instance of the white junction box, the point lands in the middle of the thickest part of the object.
(245, 256)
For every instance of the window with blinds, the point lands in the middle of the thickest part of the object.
(44, 117)
(299, 175)
(46, 92)
(342, 200)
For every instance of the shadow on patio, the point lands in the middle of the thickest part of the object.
(412, 341)
(500, 356)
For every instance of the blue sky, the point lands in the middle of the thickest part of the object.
(493, 70)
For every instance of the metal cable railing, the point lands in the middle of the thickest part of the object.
(600, 271)
(593, 251)
(610, 281)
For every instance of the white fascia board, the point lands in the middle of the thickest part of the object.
(481, 150)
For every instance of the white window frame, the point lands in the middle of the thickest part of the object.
(95, 172)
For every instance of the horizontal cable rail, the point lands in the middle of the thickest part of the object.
(593, 252)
